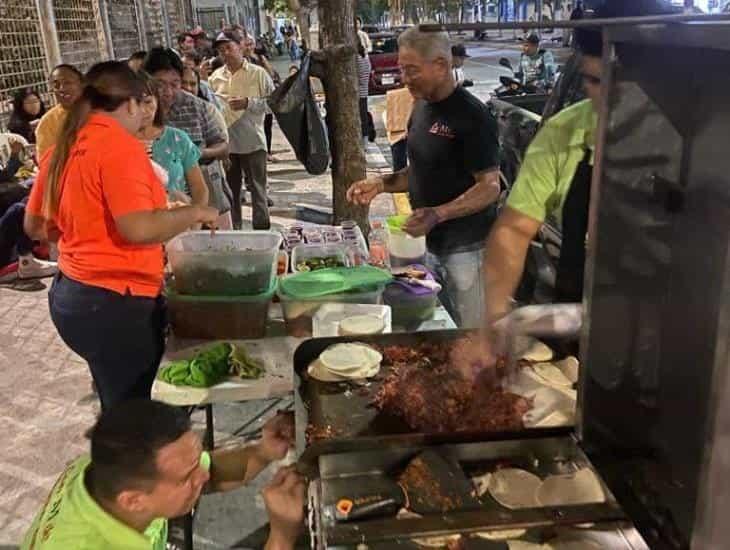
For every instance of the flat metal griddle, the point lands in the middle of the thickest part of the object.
(355, 424)
(541, 456)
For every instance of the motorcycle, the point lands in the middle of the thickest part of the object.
(527, 95)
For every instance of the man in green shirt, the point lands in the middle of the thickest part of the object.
(554, 180)
(147, 465)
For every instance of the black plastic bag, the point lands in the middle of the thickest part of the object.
(299, 118)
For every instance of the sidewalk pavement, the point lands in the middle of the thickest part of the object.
(47, 404)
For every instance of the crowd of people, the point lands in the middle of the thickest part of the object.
(134, 152)
(138, 151)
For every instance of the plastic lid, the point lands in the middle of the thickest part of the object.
(396, 223)
(314, 284)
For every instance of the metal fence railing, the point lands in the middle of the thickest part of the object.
(23, 61)
(80, 37)
(123, 27)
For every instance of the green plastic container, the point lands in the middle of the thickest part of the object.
(219, 317)
(298, 312)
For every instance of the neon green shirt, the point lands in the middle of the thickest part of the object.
(551, 161)
(71, 518)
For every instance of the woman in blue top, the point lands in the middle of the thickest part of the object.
(173, 150)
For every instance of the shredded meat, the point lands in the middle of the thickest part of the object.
(425, 490)
(442, 387)
(429, 400)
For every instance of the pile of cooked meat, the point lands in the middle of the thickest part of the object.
(441, 388)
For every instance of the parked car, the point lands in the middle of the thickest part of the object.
(370, 29)
(385, 74)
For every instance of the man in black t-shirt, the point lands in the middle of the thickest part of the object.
(453, 172)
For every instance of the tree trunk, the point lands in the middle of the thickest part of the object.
(337, 37)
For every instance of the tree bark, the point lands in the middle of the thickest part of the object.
(340, 80)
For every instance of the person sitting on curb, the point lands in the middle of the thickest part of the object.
(147, 466)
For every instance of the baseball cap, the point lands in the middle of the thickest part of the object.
(227, 36)
(533, 39)
(458, 50)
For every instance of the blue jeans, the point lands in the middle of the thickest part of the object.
(121, 337)
(13, 240)
(461, 275)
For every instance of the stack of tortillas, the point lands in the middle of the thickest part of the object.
(559, 374)
(346, 362)
(360, 325)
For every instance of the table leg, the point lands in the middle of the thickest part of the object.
(208, 440)
(188, 531)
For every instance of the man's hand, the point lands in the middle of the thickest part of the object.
(277, 437)
(16, 147)
(238, 103)
(421, 222)
(364, 191)
(284, 499)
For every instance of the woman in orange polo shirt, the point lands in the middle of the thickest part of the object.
(97, 194)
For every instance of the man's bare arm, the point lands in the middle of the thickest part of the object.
(504, 259)
(476, 198)
(233, 468)
(397, 182)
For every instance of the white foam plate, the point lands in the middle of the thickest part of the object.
(326, 322)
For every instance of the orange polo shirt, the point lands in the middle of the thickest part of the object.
(107, 175)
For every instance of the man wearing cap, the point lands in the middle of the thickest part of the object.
(458, 57)
(243, 88)
(537, 67)
(146, 466)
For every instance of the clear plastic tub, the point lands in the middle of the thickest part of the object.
(405, 250)
(230, 263)
(409, 309)
(304, 252)
(219, 317)
(298, 313)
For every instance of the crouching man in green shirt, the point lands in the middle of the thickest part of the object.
(554, 180)
(147, 465)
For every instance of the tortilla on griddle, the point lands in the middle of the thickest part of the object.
(581, 487)
(569, 367)
(536, 352)
(319, 372)
(503, 534)
(436, 542)
(343, 359)
(514, 488)
(556, 419)
(551, 375)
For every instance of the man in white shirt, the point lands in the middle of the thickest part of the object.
(243, 88)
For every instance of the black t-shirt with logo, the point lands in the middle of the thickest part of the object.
(449, 142)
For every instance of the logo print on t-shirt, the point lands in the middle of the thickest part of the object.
(442, 129)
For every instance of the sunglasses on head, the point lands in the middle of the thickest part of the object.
(590, 79)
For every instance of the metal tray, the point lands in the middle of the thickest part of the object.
(356, 424)
(542, 456)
